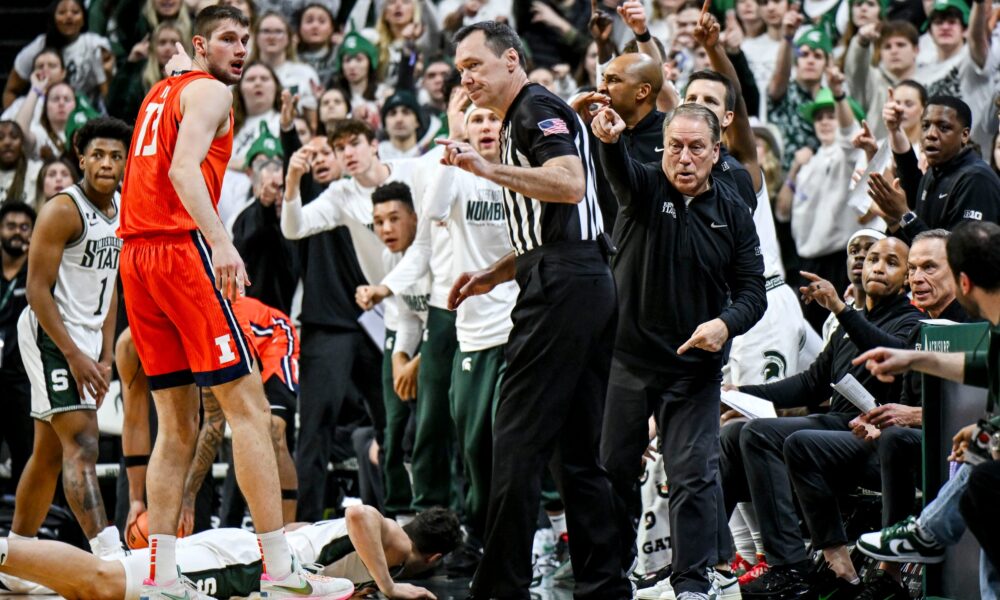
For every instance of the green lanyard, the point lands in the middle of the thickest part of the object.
(8, 294)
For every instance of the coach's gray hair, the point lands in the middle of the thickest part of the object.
(696, 111)
(932, 234)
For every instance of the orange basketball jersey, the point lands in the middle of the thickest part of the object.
(150, 206)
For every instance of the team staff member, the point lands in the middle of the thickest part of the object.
(552, 396)
(958, 185)
(757, 469)
(17, 220)
(686, 232)
(974, 257)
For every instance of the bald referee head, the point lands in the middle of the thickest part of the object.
(490, 57)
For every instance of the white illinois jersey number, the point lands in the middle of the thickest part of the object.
(225, 344)
(153, 112)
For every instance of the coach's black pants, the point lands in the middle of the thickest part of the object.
(754, 469)
(549, 413)
(329, 360)
(979, 508)
(824, 465)
(687, 411)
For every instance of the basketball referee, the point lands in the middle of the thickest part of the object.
(559, 350)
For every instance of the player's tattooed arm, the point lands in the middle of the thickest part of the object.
(213, 429)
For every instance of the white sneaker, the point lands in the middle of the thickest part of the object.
(693, 596)
(181, 588)
(303, 585)
(661, 591)
(723, 587)
(16, 585)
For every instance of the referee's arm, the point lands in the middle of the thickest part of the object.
(560, 179)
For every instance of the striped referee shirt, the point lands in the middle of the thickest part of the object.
(538, 127)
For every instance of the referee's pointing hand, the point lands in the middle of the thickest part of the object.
(462, 155)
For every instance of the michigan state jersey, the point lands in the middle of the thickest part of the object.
(83, 289)
(89, 266)
(226, 562)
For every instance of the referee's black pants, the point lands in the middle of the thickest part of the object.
(549, 413)
(687, 411)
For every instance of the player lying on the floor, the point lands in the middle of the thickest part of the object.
(364, 548)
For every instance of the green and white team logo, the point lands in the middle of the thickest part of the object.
(775, 366)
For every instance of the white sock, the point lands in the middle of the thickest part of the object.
(742, 538)
(558, 524)
(277, 557)
(750, 518)
(14, 536)
(4, 551)
(107, 542)
(162, 558)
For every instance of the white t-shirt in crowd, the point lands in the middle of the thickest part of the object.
(84, 67)
(30, 181)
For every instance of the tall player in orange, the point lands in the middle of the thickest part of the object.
(180, 271)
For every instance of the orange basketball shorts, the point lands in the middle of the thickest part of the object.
(184, 330)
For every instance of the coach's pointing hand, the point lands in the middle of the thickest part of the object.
(607, 126)
(230, 273)
(709, 336)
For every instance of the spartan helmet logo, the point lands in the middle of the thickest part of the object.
(774, 366)
(467, 364)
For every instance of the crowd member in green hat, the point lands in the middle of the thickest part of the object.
(357, 64)
(810, 54)
(818, 187)
(899, 44)
(271, 260)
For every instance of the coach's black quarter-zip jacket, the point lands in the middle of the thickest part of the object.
(679, 265)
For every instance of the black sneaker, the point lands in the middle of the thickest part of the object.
(830, 587)
(464, 560)
(781, 582)
(882, 587)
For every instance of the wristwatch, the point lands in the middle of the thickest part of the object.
(907, 218)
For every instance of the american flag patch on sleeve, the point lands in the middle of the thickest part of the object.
(553, 126)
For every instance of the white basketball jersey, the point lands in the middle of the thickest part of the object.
(764, 220)
(89, 266)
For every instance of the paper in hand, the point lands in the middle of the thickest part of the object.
(851, 388)
(749, 406)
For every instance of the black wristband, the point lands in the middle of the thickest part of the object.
(138, 460)
(645, 36)
(292, 494)
(840, 97)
